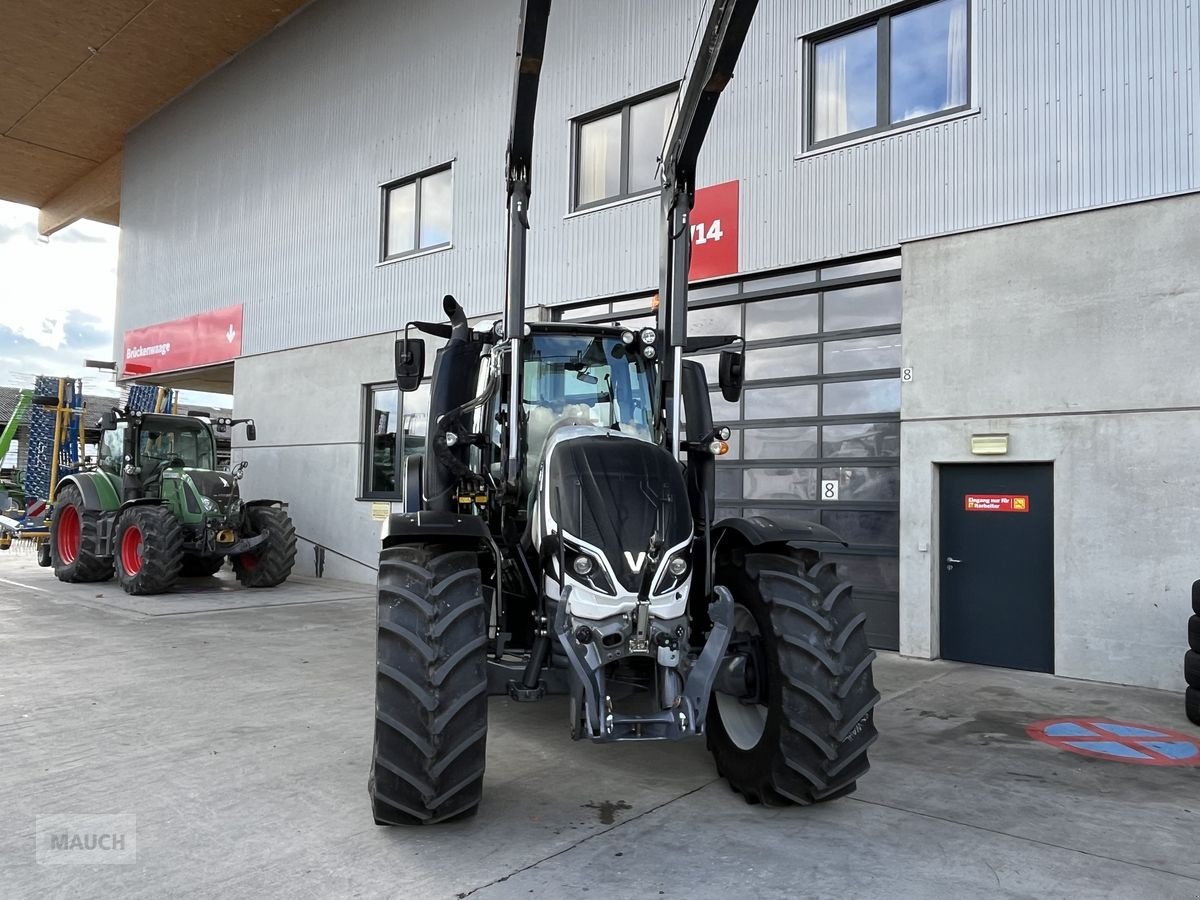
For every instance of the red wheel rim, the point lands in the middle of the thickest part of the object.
(69, 534)
(131, 550)
(249, 561)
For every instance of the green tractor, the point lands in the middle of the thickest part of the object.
(155, 509)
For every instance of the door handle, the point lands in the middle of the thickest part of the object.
(951, 559)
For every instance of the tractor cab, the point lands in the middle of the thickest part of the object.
(141, 449)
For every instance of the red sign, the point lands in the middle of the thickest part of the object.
(1017, 503)
(200, 340)
(715, 232)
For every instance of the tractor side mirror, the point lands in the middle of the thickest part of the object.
(731, 375)
(410, 363)
(251, 432)
(108, 421)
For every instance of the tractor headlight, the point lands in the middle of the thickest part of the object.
(677, 566)
(208, 504)
(582, 565)
(649, 335)
(648, 352)
(627, 337)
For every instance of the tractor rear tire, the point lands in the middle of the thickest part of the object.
(808, 743)
(431, 698)
(74, 540)
(1191, 704)
(1194, 633)
(270, 563)
(200, 566)
(1191, 669)
(149, 545)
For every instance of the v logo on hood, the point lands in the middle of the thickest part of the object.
(635, 562)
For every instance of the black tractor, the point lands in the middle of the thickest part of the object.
(560, 538)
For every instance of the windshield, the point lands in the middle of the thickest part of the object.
(584, 379)
(183, 440)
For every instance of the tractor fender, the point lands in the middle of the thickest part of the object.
(430, 526)
(276, 503)
(141, 501)
(757, 531)
(438, 526)
(95, 488)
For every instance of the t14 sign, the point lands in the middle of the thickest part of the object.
(714, 224)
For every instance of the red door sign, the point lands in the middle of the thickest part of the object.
(715, 232)
(1011, 503)
(200, 340)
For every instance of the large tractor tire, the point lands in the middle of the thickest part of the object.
(270, 563)
(431, 699)
(1191, 704)
(1194, 633)
(808, 741)
(1191, 669)
(74, 540)
(149, 546)
(200, 566)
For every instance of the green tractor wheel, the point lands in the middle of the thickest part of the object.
(149, 550)
(270, 563)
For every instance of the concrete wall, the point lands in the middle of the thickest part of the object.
(1075, 335)
(308, 408)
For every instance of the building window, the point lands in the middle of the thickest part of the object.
(396, 425)
(901, 67)
(417, 213)
(617, 150)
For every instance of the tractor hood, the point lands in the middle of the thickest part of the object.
(620, 495)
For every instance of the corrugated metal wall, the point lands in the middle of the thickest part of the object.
(259, 186)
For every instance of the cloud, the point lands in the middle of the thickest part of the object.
(81, 336)
(78, 236)
(26, 231)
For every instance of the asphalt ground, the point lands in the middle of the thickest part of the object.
(230, 732)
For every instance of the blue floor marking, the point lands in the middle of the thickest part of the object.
(1112, 748)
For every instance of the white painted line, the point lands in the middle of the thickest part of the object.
(28, 587)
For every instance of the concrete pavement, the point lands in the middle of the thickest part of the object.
(236, 727)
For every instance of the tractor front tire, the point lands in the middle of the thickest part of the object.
(75, 539)
(200, 566)
(270, 563)
(149, 547)
(808, 742)
(431, 699)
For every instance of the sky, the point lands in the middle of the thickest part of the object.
(57, 300)
(57, 303)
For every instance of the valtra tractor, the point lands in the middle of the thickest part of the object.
(155, 509)
(560, 538)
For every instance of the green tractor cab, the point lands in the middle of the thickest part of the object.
(155, 508)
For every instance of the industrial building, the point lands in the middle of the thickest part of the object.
(959, 237)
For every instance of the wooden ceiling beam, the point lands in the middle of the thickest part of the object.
(97, 196)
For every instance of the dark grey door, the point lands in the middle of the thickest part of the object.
(997, 565)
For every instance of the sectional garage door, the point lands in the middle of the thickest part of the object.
(820, 414)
